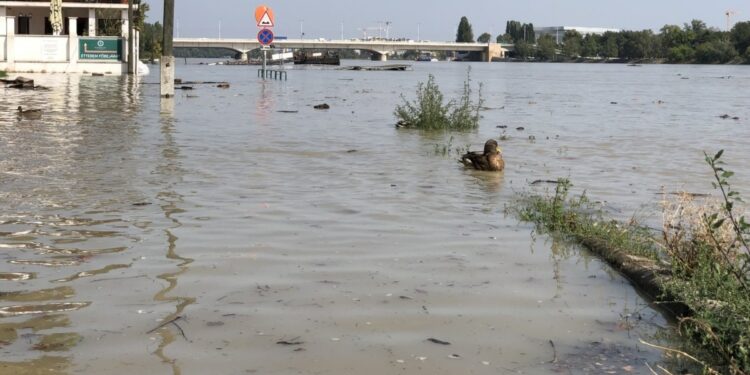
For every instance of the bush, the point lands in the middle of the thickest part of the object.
(681, 54)
(430, 112)
(3, 74)
(702, 254)
(707, 243)
(715, 51)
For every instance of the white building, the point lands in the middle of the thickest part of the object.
(27, 43)
(558, 32)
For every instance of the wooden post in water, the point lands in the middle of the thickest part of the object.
(131, 40)
(167, 58)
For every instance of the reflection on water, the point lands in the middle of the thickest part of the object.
(171, 172)
(240, 226)
(60, 213)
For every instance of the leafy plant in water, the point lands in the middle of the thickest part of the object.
(430, 112)
(448, 148)
(709, 251)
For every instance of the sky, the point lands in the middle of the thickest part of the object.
(436, 19)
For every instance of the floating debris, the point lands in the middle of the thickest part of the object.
(391, 67)
(437, 341)
(16, 276)
(41, 309)
(289, 342)
(322, 106)
(19, 83)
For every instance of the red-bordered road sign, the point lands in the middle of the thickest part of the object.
(265, 37)
(264, 16)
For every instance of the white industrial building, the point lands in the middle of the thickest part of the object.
(558, 32)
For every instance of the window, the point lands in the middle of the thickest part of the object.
(47, 26)
(24, 25)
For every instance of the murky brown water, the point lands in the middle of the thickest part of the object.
(277, 251)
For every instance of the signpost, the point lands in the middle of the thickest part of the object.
(265, 20)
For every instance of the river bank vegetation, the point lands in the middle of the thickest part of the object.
(692, 42)
(429, 110)
(697, 265)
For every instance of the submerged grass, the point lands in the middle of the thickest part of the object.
(700, 260)
(430, 112)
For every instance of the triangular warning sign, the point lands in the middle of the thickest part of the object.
(265, 21)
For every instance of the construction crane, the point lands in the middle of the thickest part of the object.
(729, 14)
(387, 28)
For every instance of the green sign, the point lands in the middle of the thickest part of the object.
(100, 49)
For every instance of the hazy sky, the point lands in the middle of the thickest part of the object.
(437, 19)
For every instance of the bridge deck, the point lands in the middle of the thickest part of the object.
(244, 45)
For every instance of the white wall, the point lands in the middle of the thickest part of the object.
(32, 48)
(2, 47)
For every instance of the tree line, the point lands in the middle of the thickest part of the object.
(693, 42)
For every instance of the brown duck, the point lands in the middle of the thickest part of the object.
(29, 113)
(489, 160)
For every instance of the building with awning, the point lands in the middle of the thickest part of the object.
(62, 36)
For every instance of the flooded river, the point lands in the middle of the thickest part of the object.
(225, 236)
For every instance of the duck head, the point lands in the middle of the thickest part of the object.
(491, 147)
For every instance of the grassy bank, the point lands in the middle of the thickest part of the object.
(697, 266)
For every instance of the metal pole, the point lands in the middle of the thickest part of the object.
(264, 61)
(167, 58)
(131, 54)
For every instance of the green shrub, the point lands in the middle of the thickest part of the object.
(3, 74)
(430, 112)
(681, 54)
(704, 245)
(708, 246)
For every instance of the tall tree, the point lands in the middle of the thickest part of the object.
(505, 38)
(610, 46)
(523, 50)
(484, 38)
(572, 43)
(546, 47)
(591, 45)
(464, 33)
(740, 36)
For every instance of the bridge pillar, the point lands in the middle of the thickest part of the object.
(379, 56)
(243, 56)
(493, 50)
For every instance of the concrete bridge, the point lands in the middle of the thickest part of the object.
(381, 48)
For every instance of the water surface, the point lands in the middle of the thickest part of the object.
(328, 242)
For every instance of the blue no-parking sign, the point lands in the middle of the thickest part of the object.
(265, 37)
